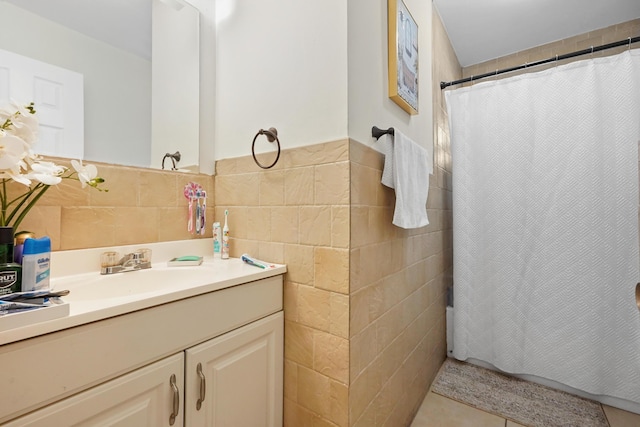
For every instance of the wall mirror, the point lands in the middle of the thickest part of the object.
(116, 81)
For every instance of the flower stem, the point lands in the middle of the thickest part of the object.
(39, 191)
(3, 200)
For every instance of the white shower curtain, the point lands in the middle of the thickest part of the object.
(545, 207)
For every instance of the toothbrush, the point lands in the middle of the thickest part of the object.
(256, 262)
(188, 194)
(190, 223)
(33, 294)
(225, 237)
(204, 212)
(197, 211)
(6, 306)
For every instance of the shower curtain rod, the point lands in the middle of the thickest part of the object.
(588, 51)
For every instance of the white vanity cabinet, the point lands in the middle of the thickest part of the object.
(224, 348)
(147, 397)
(232, 380)
(236, 379)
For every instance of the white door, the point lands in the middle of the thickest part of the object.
(146, 397)
(237, 377)
(59, 101)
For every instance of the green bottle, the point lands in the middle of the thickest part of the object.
(10, 272)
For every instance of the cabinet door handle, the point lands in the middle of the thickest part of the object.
(176, 400)
(203, 386)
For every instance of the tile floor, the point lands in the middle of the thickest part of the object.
(439, 411)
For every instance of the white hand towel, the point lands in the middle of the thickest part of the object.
(386, 145)
(406, 169)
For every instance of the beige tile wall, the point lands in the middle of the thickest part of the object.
(298, 213)
(399, 277)
(141, 206)
(364, 300)
(397, 294)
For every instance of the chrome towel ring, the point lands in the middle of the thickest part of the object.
(272, 135)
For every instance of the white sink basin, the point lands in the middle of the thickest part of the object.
(155, 280)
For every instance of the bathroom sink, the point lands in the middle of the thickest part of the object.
(156, 280)
(94, 297)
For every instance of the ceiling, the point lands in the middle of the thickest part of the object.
(481, 30)
(125, 24)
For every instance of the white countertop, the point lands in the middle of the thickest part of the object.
(178, 283)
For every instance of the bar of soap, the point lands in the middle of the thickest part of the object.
(185, 261)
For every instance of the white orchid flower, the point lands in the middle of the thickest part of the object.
(19, 163)
(25, 130)
(24, 124)
(47, 173)
(12, 151)
(16, 176)
(19, 178)
(85, 173)
(6, 113)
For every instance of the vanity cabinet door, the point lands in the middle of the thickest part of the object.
(142, 398)
(236, 379)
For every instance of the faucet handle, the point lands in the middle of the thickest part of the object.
(111, 262)
(143, 254)
(109, 259)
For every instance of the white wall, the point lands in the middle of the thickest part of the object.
(315, 70)
(125, 89)
(369, 103)
(280, 63)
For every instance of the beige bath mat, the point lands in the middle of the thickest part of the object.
(515, 399)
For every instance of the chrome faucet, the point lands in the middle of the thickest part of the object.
(138, 260)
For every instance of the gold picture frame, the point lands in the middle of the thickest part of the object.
(403, 56)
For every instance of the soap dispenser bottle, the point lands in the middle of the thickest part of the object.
(217, 239)
(10, 272)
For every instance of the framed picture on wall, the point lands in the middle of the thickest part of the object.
(403, 56)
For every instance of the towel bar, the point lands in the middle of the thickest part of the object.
(376, 132)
